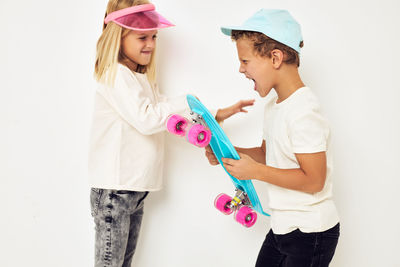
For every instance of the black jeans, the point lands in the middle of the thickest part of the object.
(299, 249)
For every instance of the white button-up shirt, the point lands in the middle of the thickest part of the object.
(127, 137)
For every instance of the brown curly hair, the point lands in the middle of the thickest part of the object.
(263, 46)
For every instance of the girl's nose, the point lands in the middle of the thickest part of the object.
(151, 44)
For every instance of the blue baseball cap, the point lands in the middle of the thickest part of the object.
(277, 24)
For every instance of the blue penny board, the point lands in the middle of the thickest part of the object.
(223, 148)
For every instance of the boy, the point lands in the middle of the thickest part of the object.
(293, 158)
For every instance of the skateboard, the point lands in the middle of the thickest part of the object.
(202, 130)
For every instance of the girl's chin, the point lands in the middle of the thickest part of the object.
(144, 62)
(145, 59)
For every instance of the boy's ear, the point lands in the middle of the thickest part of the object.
(277, 58)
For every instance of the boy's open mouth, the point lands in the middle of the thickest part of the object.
(255, 86)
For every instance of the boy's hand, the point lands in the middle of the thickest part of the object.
(243, 169)
(225, 113)
(210, 156)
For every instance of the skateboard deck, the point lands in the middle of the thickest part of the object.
(223, 148)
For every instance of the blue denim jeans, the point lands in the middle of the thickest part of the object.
(298, 249)
(118, 216)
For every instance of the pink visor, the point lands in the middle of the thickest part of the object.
(140, 18)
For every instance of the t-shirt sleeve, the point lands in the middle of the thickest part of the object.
(309, 133)
(129, 99)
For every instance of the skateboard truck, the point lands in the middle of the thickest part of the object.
(239, 199)
(196, 118)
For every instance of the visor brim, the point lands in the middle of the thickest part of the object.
(140, 18)
(143, 21)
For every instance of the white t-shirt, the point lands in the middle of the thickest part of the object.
(127, 136)
(296, 126)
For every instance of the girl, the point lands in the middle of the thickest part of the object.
(127, 145)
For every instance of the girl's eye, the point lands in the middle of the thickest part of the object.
(142, 38)
(154, 37)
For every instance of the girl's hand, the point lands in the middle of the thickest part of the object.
(225, 113)
(243, 169)
(210, 156)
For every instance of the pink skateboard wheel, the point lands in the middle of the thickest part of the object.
(246, 216)
(177, 124)
(198, 135)
(222, 202)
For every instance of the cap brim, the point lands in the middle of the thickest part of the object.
(228, 29)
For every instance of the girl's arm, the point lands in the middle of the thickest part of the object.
(130, 100)
(309, 178)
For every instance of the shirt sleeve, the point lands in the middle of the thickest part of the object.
(129, 99)
(309, 133)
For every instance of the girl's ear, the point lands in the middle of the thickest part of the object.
(277, 58)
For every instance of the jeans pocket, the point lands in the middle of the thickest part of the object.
(95, 196)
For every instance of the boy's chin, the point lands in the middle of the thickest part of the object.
(263, 93)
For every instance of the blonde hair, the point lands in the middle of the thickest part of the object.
(109, 52)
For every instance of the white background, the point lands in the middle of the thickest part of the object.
(350, 59)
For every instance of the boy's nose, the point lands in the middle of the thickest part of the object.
(241, 69)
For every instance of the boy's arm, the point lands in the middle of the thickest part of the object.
(224, 113)
(309, 178)
(256, 153)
